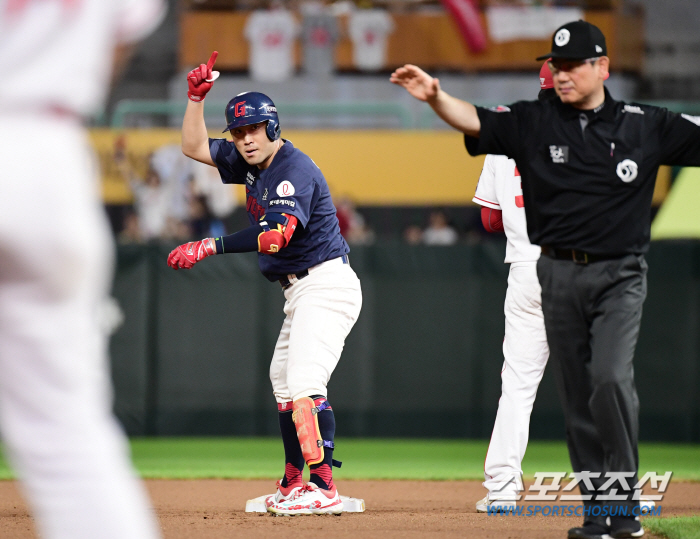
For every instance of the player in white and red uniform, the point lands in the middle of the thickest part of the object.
(525, 349)
(55, 398)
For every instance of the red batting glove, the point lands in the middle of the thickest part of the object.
(201, 79)
(187, 255)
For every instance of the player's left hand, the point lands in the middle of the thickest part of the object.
(187, 255)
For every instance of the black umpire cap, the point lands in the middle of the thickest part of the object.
(578, 40)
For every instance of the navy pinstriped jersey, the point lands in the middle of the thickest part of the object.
(294, 185)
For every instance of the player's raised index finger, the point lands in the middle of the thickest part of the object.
(212, 59)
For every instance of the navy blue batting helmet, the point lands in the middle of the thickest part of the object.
(252, 108)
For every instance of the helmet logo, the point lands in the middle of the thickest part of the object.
(252, 108)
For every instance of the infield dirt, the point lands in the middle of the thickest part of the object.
(213, 509)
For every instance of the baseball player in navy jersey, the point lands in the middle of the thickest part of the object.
(525, 349)
(294, 229)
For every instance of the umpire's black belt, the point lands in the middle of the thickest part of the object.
(289, 280)
(574, 255)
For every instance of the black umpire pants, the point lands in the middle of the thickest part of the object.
(592, 314)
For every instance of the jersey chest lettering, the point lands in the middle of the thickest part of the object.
(253, 207)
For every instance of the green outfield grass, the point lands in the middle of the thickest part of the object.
(370, 458)
(674, 527)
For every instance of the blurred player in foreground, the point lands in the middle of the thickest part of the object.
(294, 229)
(525, 349)
(55, 397)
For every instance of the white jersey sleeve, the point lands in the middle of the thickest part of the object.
(500, 188)
(486, 188)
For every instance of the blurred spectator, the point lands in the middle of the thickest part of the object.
(206, 182)
(175, 171)
(361, 234)
(177, 230)
(152, 199)
(413, 235)
(131, 232)
(176, 197)
(202, 222)
(439, 232)
(344, 217)
(353, 226)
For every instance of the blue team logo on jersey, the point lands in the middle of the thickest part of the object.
(250, 179)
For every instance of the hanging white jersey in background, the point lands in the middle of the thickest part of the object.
(271, 36)
(369, 29)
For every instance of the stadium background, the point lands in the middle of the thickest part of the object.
(417, 388)
(424, 358)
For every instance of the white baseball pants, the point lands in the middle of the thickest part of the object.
(55, 395)
(321, 310)
(526, 352)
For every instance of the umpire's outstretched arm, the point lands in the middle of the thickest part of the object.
(459, 114)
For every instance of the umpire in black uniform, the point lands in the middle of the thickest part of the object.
(588, 165)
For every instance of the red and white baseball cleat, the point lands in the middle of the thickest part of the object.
(283, 493)
(309, 500)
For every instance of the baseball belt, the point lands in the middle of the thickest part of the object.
(576, 256)
(289, 280)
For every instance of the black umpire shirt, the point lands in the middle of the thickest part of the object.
(588, 176)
